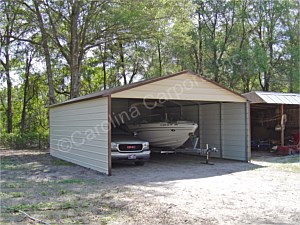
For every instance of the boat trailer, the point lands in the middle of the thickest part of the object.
(200, 151)
(207, 152)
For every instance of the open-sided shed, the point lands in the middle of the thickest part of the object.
(274, 116)
(80, 128)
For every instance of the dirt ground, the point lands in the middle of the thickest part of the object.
(170, 189)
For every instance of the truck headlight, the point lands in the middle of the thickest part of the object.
(146, 145)
(114, 146)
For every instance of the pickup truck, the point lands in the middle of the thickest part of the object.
(126, 147)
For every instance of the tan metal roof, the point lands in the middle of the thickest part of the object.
(115, 90)
(273, 97)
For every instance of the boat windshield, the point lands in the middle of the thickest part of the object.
(154, 118)
(150, 119)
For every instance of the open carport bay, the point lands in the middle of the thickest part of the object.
(222, 125)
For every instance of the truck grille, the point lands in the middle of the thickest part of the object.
(130, 147)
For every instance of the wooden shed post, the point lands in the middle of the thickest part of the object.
(282, 124)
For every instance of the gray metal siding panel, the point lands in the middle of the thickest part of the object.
(79, 133)
(191, 113)
(210, 126)
(233, 131)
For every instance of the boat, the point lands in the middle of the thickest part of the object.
(166, 134)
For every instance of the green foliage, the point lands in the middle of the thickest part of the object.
(24, 141)
(244, 45)
(63, 192)
(17, 194)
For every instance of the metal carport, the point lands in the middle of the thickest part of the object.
(80, 128)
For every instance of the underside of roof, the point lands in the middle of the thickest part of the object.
(273, 98)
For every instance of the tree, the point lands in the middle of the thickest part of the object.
(291, 57)
(267, 37)
(219, 19)
(9, 14)
(28, 88)
(45, 45)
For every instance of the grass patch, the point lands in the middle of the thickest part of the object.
(74, 221)
(8, 164)
(279, 159)
(63, 192)
(17, 194)
(289, 167)
(105, 220)
(43, 206)
(291, 159)
(3, 195)
(44, 193)
(11, 185)
(289, 163)
(70, 181)
(59, 162)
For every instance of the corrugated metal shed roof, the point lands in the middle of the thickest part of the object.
(273, 97)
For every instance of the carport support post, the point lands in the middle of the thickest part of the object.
(109, 136)
(221, 132)
(248, 131)
(199, 140)
(282, 125)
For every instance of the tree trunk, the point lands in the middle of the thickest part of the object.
(26, 84)
(9, 101)
(215, 63)
(123, 72)
(74, 50)
(267, 81)
(196, 59)
(200, 48)
(44, 34)
(104, 74)
(159, 58)
(8, 83)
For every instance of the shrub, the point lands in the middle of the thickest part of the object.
(31, 140)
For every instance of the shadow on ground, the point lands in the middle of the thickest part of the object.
(162, 168)
(40, 166)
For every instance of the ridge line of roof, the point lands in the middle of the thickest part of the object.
(110, 91)
(107, 92)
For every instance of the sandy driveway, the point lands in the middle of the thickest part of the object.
(172, 189)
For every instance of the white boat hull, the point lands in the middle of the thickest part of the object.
(165, 134)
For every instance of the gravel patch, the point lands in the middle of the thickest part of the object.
(170, 189)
